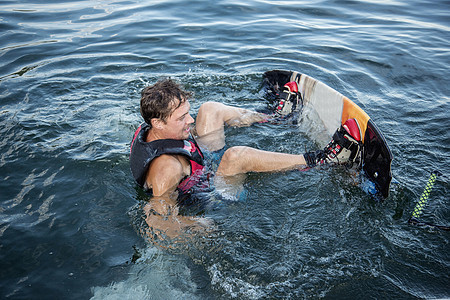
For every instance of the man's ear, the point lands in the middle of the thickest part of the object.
(157, 123)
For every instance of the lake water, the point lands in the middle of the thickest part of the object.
(70, 216)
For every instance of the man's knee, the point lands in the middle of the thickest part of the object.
(233, 161)
(235, 153)
(209, 107)
(210, 113)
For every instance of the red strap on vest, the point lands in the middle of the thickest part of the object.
(134, 137)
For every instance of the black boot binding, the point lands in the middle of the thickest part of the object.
(342, 149)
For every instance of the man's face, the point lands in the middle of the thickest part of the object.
(178, 125)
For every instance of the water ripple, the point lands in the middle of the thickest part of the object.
(69, 89)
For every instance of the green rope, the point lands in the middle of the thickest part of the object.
(423, 201)
(425, 195)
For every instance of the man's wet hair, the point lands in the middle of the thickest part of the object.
(161, 99)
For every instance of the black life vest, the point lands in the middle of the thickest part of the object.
(142, 153)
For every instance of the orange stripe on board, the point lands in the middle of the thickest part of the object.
(351, 110)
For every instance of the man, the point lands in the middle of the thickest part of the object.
(166, 159)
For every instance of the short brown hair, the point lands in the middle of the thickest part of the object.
(160, 100)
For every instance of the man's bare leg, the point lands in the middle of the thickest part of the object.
(210, 128)
(241, 159)
(210, 123)
(211, 120)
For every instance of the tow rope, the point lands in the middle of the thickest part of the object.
(415, 217)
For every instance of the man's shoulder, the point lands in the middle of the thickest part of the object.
(164, 174)
(168, 163)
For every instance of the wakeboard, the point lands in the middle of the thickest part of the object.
(333, 109)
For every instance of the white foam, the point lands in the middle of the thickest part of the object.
(235, 287)
(156, 275)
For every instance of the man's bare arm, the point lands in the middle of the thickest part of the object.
(165, 173)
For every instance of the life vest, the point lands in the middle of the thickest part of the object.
(142, 153)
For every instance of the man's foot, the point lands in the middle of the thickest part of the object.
(289, 100)
(344, 148)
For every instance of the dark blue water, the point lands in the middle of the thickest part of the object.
(70, 214)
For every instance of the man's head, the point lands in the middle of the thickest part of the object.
(160, 100)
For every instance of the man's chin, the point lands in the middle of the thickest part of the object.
(187, 134)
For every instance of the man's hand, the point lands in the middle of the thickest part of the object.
(164, 222)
